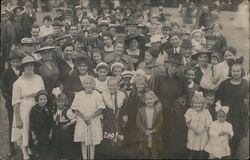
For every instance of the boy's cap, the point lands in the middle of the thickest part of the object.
(128, 74)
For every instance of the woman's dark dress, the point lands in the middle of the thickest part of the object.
(233, 96)
(72, 84)
(112, 123)
(168, 90)
(50, 75)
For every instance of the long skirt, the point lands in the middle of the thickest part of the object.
(21, 136)
(174, 132)
(63, 143)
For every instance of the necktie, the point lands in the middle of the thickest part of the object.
(57, 119)
(116, 107)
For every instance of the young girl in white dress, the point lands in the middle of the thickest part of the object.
(102, 70)
(219, 134)
(87, 106)
(198, 121)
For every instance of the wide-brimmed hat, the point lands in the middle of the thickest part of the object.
(4, 12)
(43, 47)
(62, 37)
(139, 37)
(78, 7)
(175, 59)
(29, 59)
(143, 26)
(112, 26)
(16, 54)
(197, 31)
(57, 23)
(200, 52)
(59, 10)
(153, 39)
(104, 23)
(186, 43)
(155, 16)
(48, 35)
(17, 7)
(27, 41)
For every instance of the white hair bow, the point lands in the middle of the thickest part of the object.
(56, 91)
(139, 72)
(218, 107)
(198, 94)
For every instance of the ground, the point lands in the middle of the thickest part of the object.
(237, 37)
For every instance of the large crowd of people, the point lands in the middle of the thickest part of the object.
(115, 80)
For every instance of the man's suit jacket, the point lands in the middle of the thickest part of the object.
(8, 79)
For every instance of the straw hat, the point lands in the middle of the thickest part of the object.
(139, 37)
(200, 52)
(153, 39)
(27, 41)
(175, 59)
(29, 59)
(43, 47)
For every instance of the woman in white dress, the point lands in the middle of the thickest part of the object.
(24, 90)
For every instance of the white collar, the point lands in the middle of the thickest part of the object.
(59, 112)
(136, 53)
(191, 85)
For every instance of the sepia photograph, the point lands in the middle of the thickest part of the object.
(124, 79)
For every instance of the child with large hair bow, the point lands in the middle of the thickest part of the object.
(220, 132)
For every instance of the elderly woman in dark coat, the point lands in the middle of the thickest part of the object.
(48, 69)
(172, 92)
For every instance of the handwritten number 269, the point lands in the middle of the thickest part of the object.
(108, 135)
